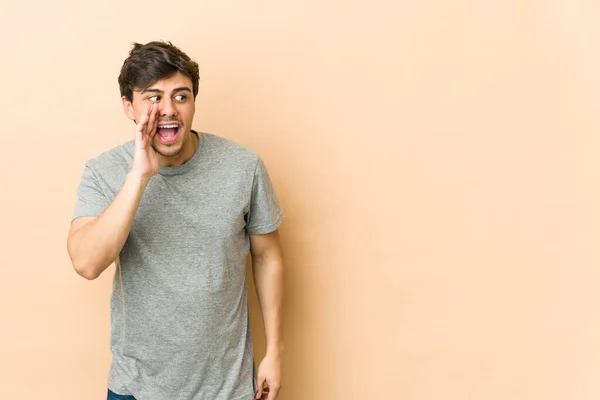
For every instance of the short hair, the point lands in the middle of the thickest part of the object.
(148, 63)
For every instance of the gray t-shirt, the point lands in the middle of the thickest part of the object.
(181, 329)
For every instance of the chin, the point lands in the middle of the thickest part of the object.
(168, 151)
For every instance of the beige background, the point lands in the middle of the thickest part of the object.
(436, 161)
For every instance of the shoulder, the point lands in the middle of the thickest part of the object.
(229, 151)
(113, 161)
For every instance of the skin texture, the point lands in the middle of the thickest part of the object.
(167, 101)
(94, 243)
(267, 265)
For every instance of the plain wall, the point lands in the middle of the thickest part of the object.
(436, 161)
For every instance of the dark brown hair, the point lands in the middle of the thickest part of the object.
(148, 63)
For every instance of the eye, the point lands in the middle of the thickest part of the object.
(180, 97)
(154, 99)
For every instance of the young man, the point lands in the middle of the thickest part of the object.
(178, 211)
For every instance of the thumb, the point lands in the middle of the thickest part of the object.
(259, 392)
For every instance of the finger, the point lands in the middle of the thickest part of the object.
(147, 117)
(145, 111)
(152, 120)
(259, 392)
(265, 392)
(140, 129)
(155, 125)
(273, 392)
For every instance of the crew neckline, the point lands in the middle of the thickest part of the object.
(189, 164)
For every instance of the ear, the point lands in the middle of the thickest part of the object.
(128, 108)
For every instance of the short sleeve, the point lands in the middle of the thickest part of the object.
(264, 215)
(91, 201)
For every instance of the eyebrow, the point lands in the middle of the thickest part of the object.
(179, 89)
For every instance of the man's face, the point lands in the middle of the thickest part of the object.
(175, 101)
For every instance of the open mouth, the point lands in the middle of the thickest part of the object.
(168, 133)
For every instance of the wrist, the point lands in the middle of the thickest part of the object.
(136, 183)
(275, 350)
(137, 178)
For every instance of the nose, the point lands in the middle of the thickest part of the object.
(167, 108)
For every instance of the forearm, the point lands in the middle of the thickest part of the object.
(268, 279)
(96, 245)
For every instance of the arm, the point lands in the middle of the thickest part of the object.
(95, 242)
(267, 266)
